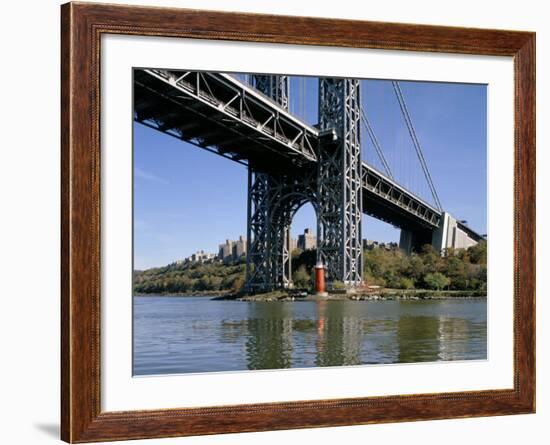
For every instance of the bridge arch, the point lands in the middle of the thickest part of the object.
(283, 207)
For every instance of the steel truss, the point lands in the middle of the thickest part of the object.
(222, 100)
(274, 87)
(393, 194)
(273, 199)
(339, 185)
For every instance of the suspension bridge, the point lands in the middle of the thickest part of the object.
(290, 163)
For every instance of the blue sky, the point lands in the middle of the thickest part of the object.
(187, 199)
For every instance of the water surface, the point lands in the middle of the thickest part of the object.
(197, 334)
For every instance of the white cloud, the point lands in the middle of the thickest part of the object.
(142, 174)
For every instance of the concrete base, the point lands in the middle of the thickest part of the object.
(453, 234)
(321, 294)
(412, 240)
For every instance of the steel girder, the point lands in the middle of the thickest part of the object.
(273, 198)
(396, 196)
(257, 265)
(268, 237)
(287, 194)
(274, 87)
(339, 184)
(334, 187)
(258, 124)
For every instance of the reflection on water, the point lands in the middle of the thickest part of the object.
(196, 334)
(269, 336)
(339, 335)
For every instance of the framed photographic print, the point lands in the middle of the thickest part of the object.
(275, 222)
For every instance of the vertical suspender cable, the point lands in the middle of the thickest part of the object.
(375, 143)
(416, 143)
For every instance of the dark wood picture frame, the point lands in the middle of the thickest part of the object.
(82, 25)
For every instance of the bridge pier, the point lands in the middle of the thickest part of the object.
(334, 188)
(257, 265)
(268, 264)
(454, 234)
(450, 234)
(339, 186)
(412, 240)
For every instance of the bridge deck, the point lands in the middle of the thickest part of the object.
(217, 112)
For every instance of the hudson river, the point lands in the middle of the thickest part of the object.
(196, 334)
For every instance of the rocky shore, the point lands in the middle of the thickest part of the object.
(379, 295)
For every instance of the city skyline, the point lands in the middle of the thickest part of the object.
(235, 249)
(186, 199)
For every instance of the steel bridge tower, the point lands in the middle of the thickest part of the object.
(333, 187)
(339, 187)
(268, 232)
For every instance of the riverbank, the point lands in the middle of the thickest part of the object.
(379, 295)
(292, 295)
(209, 294)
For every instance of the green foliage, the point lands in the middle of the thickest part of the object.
(436, 280)
(301, 278)
(478, 253)
(188, 278)
(338, 285)
(238, 283)
(464, 269)
(406, 283)
(306, 258)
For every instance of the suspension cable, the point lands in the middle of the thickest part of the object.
(416, 143)
(375, 143)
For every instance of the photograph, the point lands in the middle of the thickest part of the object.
(286, 221)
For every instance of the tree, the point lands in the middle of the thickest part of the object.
(391, 278)
(436, 280)
(406, 283)
(456, 270)
(415, 268)
(465, 268)
(215, 283)
(338, 285)
(478, 253)
(301, 278)
(431, 258)
(238, 283)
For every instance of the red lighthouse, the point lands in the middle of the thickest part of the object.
(320, 279)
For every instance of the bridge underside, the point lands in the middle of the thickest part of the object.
(215, 112)
(291, 162)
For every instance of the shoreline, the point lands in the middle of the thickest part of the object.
(379, 295)
(187, 294)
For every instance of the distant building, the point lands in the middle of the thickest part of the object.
(293, 244)
(369, 244)
(307, 240)
(232, 250)
(198, 257)
(201, 256)
(226, 250)
(239, 248)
